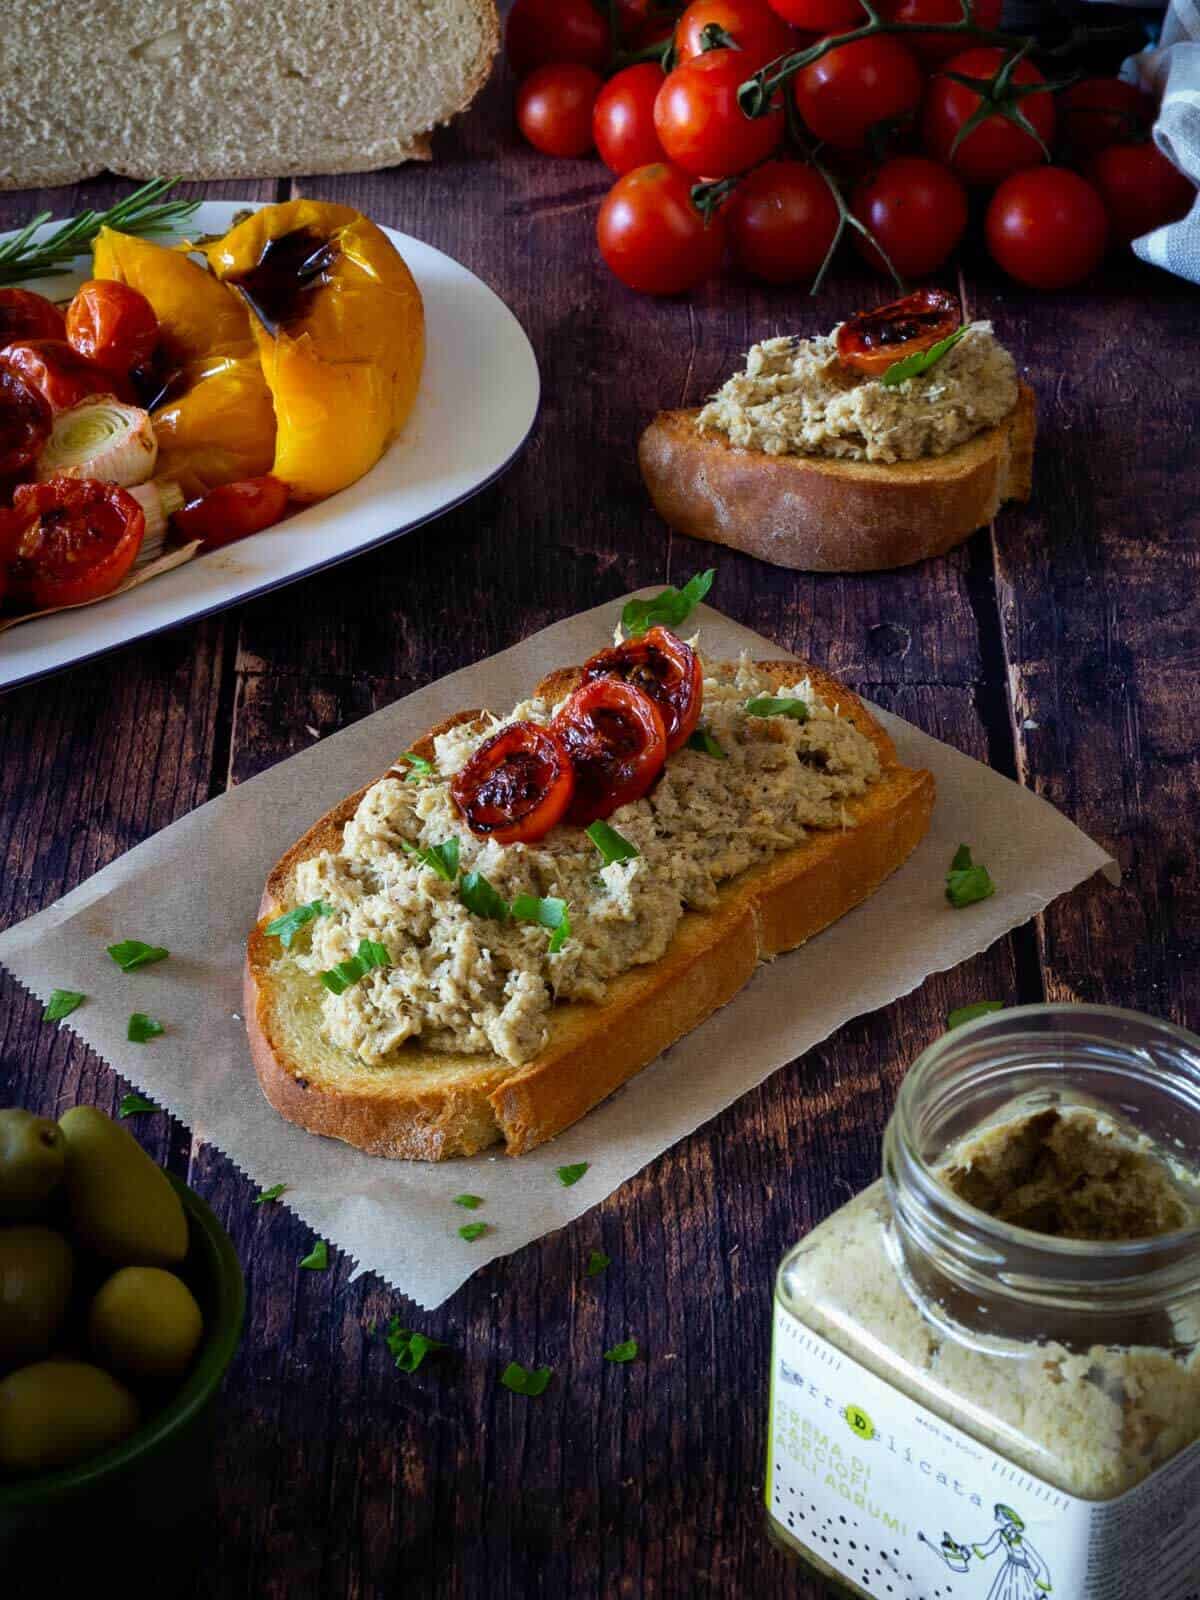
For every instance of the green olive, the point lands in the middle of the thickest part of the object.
(57, 1413)
(144, 1324)
(36, 1267)
(122, 1205)
(32, 1157)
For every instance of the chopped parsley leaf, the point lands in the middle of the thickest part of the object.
(981, 1008)
(61, 1004)
(131, 1104)
(286, 927)
(620, 1353)
(522, 1381)
(131, 954)
(142, 1027)
(317, 1259)
(569, 1175)
(967, 883)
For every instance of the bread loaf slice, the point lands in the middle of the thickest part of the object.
(212, 89)
(821, 515)
(430, 1106)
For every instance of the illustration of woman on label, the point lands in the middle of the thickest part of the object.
(1023, 1576)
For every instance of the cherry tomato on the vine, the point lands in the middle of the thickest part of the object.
(751, 24)
(540, 32)
(651, 234)
(113, 325)
(820, 16)
(623, 118)
(782, 221)
(997, 146)
(1140, 189)
(939, 46)
(554, 108)
(1046, 227)
(916, 209)
(700, 124)
(843, 94)
(1097, 112)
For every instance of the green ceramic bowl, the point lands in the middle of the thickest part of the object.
(154, 1473)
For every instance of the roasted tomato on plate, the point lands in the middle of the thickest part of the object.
(25, 315)
(59, 373)
(614, 735)
(72, 540)
(25, 422)
(872, 341)
(516, 786)
(666, 669)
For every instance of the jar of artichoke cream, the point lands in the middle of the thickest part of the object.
(985, 1375)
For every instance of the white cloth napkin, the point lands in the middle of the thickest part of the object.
(1171, 72)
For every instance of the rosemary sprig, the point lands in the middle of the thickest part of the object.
(143, 212)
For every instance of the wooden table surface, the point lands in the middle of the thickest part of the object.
(1061, 647)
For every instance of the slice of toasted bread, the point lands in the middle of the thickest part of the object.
(834, 516)
(428, 1106)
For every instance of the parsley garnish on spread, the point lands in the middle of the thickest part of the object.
(418, 767)
(703, 741)
(142, 1027)
(286, 927)
(471, 1201)
(914, 366)
(965, 882)
(370, 956)
(770, 705)
(61, 1004)
(272, 1193)
(625, 1351)
(981, 1008)
(667, 609)
(611, 845)
(569, 1175)
(440, 858)
(131, 1104)
(477, 894)
(522, 1381)
(317, 1259)
(131, 954)
(472, 1230)
(550, 913)
(597, 1262)
(409, 1348)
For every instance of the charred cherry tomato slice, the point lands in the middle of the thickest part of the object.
(666, 669)
(60, 373)
(233, 511)
(78, 540)
(112, 325)
(516, 786)
(873, 341)
(614, 735)
(24, 422)
(25, 315)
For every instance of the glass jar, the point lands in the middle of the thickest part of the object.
(964, 1406)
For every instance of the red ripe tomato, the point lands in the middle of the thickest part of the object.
(516, 786)
(25, 315)
(661, 665)
(25, 422)
(700, 124)
(916, 209)
(997, 146)
(843, 94)
(1046, 227)
(233, 511)
(613, 733)
(541, 32)
(821, 16)
(782, 221)
(78, 540)
(112, 325)
(623, 118)
(59, 373)
(554, 108)
(651, 234)
(1097, 112)
(872, 341)
(751, 24)
(939, 46)
(1140, 189)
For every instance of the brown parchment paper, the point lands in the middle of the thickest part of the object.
(195, 888)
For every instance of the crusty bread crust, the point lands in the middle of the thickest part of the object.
(434, 1106)
(834, 516)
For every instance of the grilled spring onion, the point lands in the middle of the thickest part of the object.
(101, 438)
(159, 500)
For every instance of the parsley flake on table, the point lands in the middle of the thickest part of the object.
(967, 883)
(523, 1381)
(667, 609)
(572, 1174)
(142, 1028)
(317, 1259)
(597, 1262)
(472, 1202)
(286, 927)
(272, 1193)
(620, 1353)
(131, 1104)
(981, 1008)
(472, 1230)
(131, 954)
(408, 1348)
(61, 1004)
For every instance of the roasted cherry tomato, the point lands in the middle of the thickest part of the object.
(873, 341)
(78, 540)
(651, 234)
(916, 209)
(661, 665)
(25, 422)
(1140, 188)
(1097, 112)
(614, 735)
(543, 31)
(842, 95)
(516, 786)
(751, 24)
(554, 108)
(25, 315)
(233, 511)
(820, 16)
(623, 118)
(700, 124)
(1046, 227)
(939, 46)
(60, 374)
(783, 220)
(996, 146)
(113, 325)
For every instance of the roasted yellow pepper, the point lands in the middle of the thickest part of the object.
(340, 330)
(218, 422)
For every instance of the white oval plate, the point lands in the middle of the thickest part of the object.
(474, 411)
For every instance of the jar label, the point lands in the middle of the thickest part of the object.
(910, 1507)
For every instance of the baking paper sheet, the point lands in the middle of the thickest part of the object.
(195, 888)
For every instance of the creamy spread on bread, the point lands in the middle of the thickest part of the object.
(463, 984)
(796, 398)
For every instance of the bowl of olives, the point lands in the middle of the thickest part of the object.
(121, 1307)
